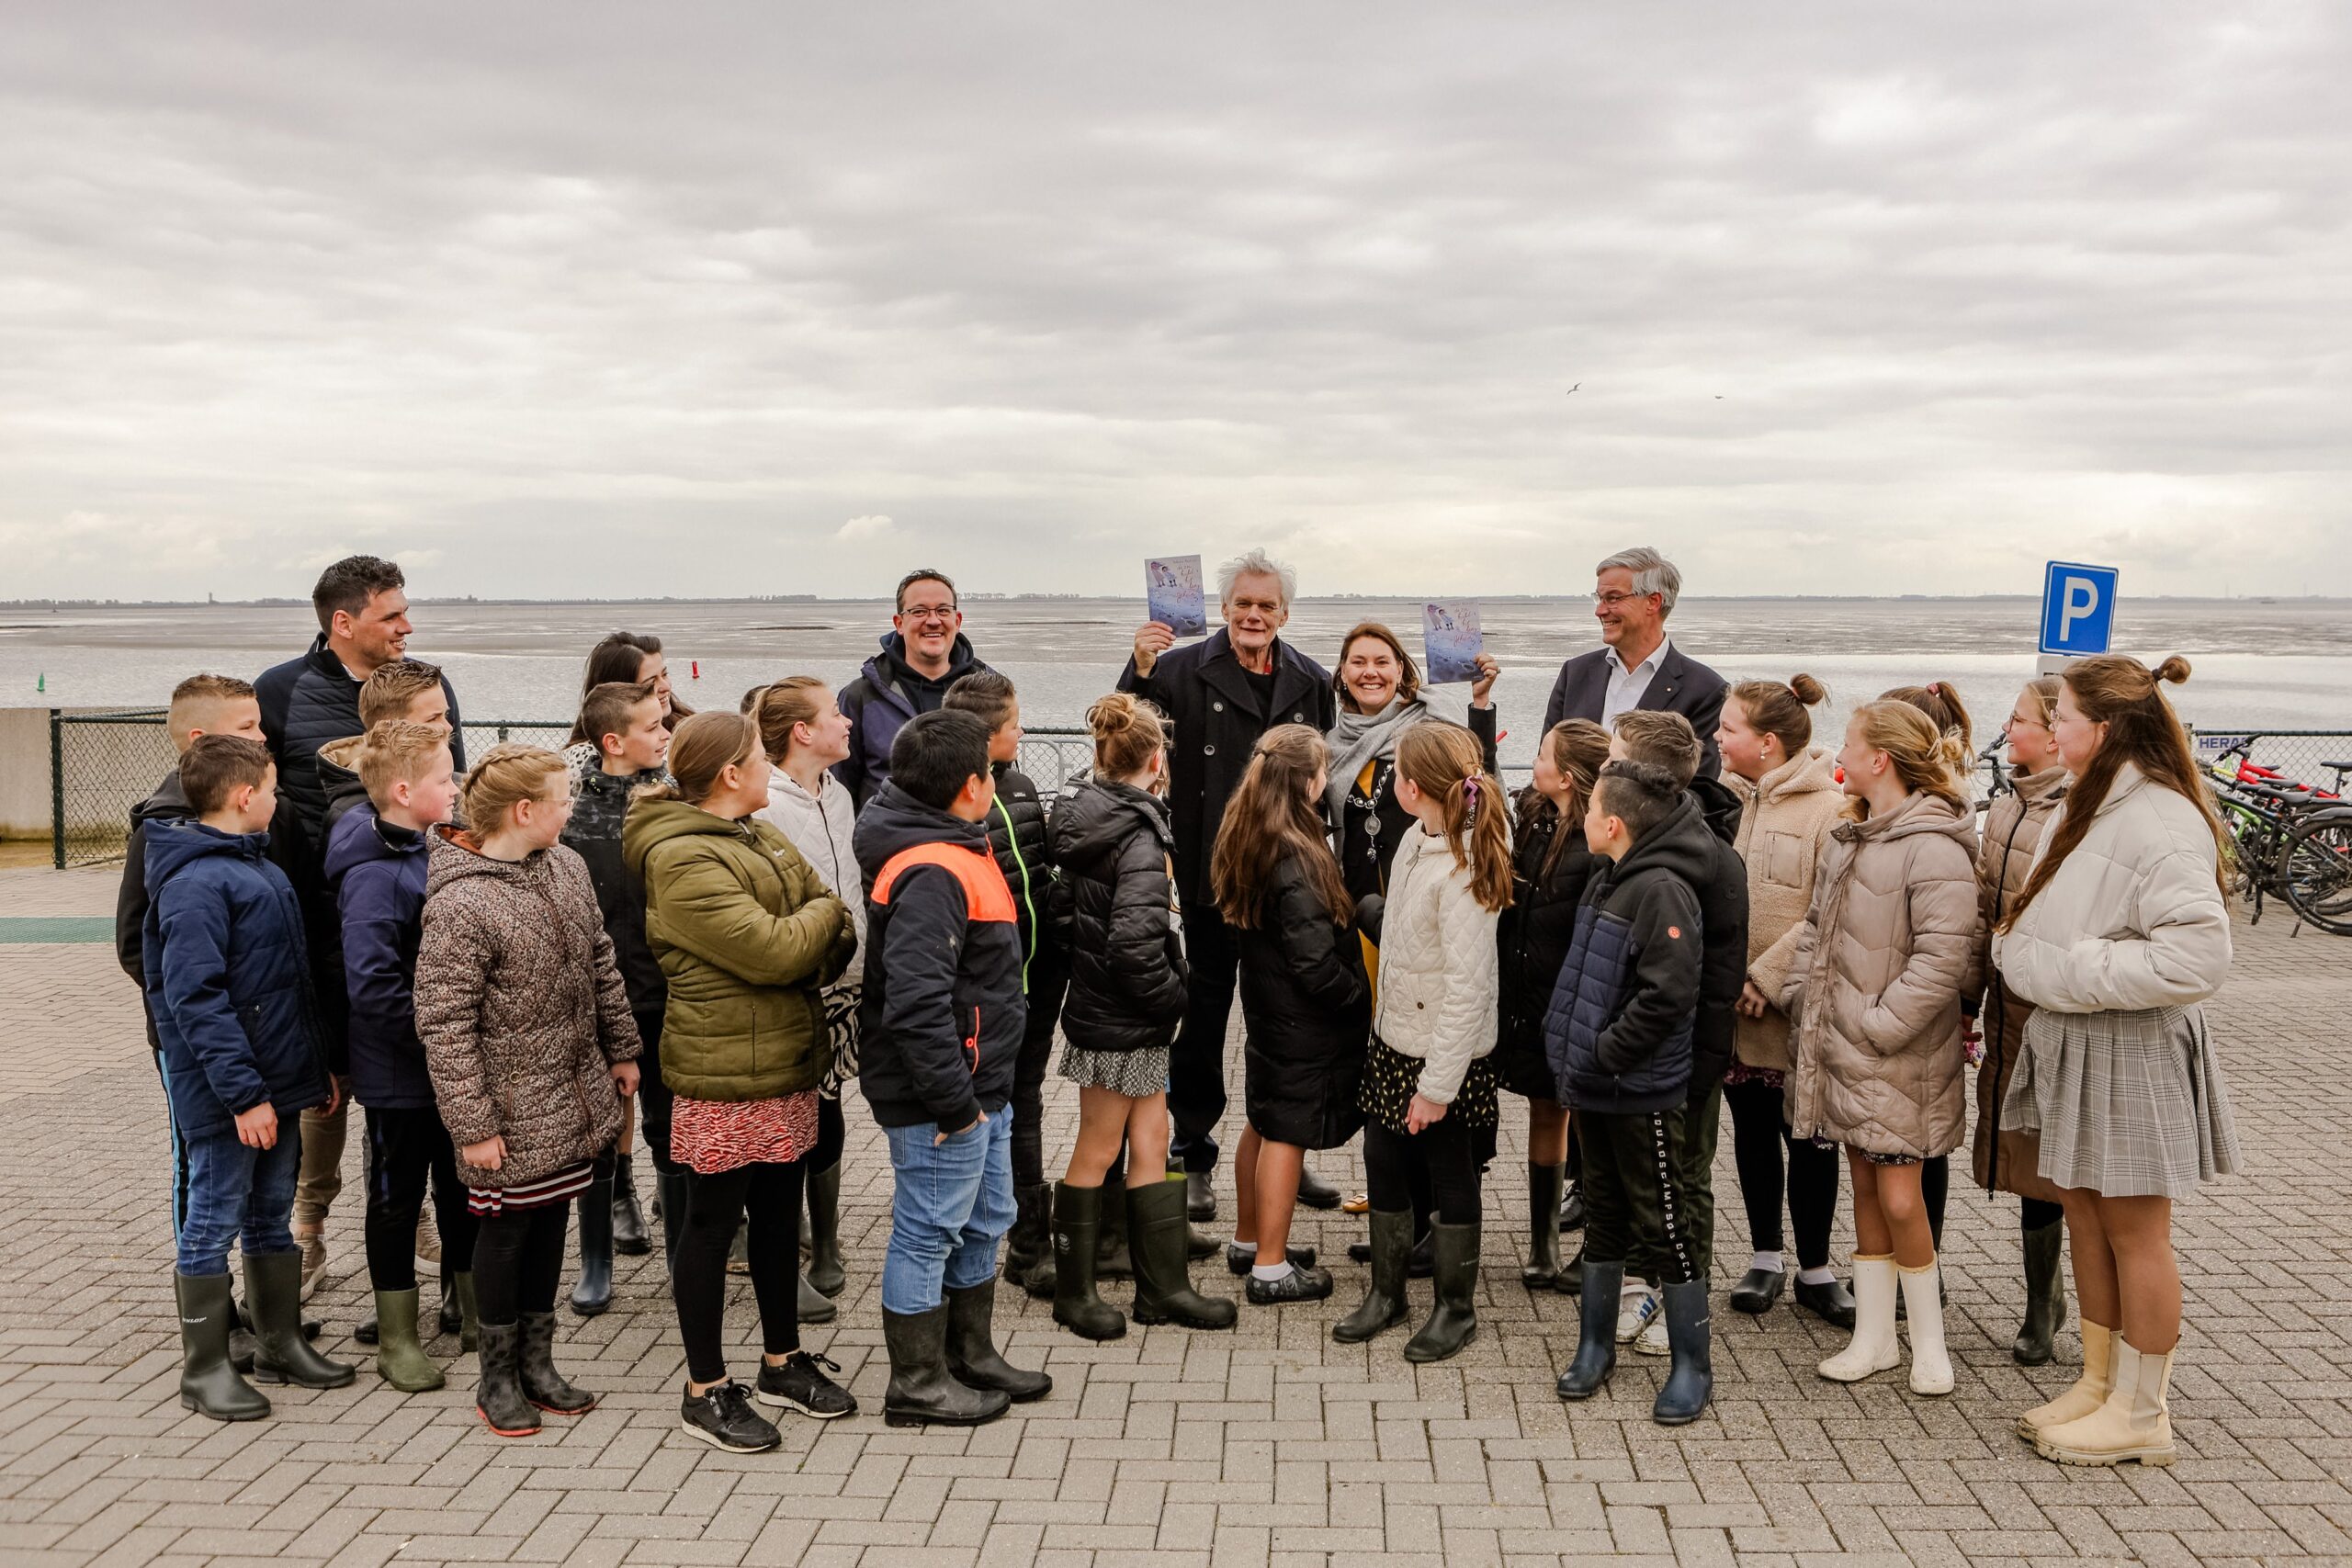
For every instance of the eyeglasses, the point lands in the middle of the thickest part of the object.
(928, 612)
(1611, 599)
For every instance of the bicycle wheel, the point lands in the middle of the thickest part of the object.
(2315, 871)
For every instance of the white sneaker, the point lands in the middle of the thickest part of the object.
(1634, 1314)
(1653, 1340)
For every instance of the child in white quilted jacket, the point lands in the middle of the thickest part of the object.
(1428, 1083)
(2121, 929)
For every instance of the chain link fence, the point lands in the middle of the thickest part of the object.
(101, 764)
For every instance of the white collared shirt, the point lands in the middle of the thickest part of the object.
(1626, 687)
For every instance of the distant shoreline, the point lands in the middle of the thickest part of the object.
(53, 604)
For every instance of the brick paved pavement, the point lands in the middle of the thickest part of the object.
(1267, 1444)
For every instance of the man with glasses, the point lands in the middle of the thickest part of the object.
(1634, 593)
(923, 653)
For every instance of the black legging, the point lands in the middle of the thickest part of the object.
(770, 1194)
(1935, 1185)
(653, 1096)
(1758, 1140)
(1046, 984)
(1443, 1154)
(2038, 1213)
(518, 1261)
(406, 1145)
(832, 1133)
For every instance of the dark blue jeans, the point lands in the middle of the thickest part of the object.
(237, 1194)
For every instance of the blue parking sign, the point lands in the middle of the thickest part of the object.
(2077, 609)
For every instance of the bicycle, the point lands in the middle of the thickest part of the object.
(2286, 839)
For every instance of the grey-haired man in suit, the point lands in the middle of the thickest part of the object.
(1639, 667)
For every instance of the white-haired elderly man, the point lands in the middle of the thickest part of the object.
(1223, 693)
(1632, 593)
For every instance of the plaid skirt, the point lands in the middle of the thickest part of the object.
(2126, 1104)
(1138, 1075)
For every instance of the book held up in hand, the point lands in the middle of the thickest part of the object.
(1172, 586)
(1451, 640)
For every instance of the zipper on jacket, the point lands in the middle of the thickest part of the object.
(972, 1046)
(1020, 863)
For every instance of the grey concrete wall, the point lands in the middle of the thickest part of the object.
(108, 767)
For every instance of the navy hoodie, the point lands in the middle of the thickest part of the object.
(887, 692)
(374, 873)
(1619, 1031)
(228, 983)
(942, 1013)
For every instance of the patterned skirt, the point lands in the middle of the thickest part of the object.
(711, 1137)
(2127, 1104)
(1391, 1078)
(556, 1186)
(841, 1032)
(1138, 1075)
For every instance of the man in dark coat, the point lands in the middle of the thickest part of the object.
(308, 703)
(923, 653)
(1223, 694)
(1634, 593)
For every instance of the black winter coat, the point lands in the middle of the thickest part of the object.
(942, 1014)
(1019, 838)
(1113, 845)
(1723, 911)
(1374, 822)
(599, 805)
(1219, 720)
(1532, 938)
(305, 704)
(1307, 1006)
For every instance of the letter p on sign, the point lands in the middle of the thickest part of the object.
(2077, 609)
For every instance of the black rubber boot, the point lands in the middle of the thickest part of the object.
(1157, 1233)
(1571, 1280)
(973, 1359)
(673, 1189)
(815, 1305)
(1078, 1221)
(1453, 1319)
(1597, 1333)
(1693, 1380)
(1384, 1302)
(498, 1390)
(1419, 1263)
(923, 1391)
(1314, 1192)
(208, 1384)
(1114, 1251)
(274, 1289)
(594, 1294)
(1545, 1184)
(2045, 1294)
(451, 1316)
(825, 1270)
(535, 1366)
(1029, 1251)
(461, 1285)
(629, 1221)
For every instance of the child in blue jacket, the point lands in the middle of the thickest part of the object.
(1620, 1036)
(228, 987)
(374, 873)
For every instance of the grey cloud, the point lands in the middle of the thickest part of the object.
(1926, 290)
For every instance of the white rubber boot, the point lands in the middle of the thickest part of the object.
(1923, 1303)
(1873, 1347)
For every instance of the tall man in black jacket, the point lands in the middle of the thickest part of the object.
(307, 704)
(1634, 593)
(1223, 694)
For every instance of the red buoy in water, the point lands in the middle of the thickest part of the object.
(694, 665)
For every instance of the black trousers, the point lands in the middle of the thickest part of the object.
(1634, 1202)
(770, 1195)
(1935, 1186)
(1695, 1166)
(832, 1132)
(518, 1261)
(2038, 1213)
(405, 1147)
(1048, 983)
(1196, 1062)
(1441, 1160)
(1758, 1140)
(653, 1096)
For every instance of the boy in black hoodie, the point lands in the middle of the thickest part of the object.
(1667, 741)
(1619, 1034)
(1020, 838)
(940, 1027)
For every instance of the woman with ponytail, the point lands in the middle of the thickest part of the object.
(1305, 997)
(1429, 1082)
(748, 937)
(2121, 929)
(2005, 1157)
(1789, 803)
(1550, 865)
(1941, 703)
(1113, 844)
(1874, 997)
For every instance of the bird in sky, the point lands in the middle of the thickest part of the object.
(1571, 391)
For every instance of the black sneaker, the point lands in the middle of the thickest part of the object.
(724, 1418)
(1300, 1285)
(802, 1384)
(1240, 1260)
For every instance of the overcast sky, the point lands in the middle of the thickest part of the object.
(602, 299)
